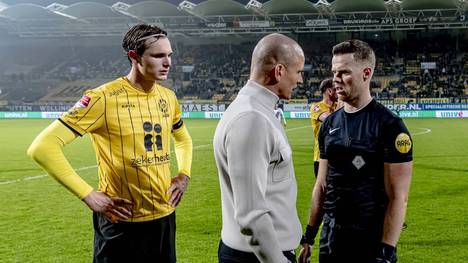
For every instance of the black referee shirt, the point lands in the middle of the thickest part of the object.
(356, 146)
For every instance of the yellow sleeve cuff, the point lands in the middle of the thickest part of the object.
(47, 151)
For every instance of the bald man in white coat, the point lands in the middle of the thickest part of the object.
(254, 161)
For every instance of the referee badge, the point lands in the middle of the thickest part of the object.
(403, 143)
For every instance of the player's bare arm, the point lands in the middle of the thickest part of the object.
(316, 212)
(397, 178)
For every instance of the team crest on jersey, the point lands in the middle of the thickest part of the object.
(83, 102)
(163, 107)
(403, 143)
(316, 108)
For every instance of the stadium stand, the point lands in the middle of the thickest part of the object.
(47, 61)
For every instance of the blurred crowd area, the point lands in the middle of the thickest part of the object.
(216, 72)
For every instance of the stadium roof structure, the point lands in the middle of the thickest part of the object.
(221, 17)
(28, 12)
(428, 4)
(221, 8)
(90, 10)
(289, 7)
(358, 6)
(155, 8)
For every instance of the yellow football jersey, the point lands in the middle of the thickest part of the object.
(316, 110)
(131, 134)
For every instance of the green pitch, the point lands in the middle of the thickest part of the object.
(40, 221)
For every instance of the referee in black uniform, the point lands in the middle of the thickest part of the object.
(365, 169)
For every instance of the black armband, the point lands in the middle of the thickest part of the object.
(386, 253)
(309, 236)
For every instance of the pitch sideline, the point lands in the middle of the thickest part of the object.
(34, 177)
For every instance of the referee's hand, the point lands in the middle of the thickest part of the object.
(113, 208)
(177, 189)
(304, 255)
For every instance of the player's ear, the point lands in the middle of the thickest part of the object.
(279, 71)
(274, 75)
(133, 56)
(367, 74)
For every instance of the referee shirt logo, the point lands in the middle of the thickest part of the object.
(358, 162)
(331, 131)
(403, 143)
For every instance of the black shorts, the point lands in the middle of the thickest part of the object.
(340, 243)
(227, 254)
(151, 241)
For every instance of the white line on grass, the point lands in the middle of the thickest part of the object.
(425, 130)
(34, 177)
(297, 128)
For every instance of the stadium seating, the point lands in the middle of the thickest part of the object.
(62, 74)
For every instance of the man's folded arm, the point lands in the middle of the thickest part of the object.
(47, 151)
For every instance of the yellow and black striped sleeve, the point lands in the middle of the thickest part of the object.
(86, 115)
(317, 109)
(177, 121)
(182, 141)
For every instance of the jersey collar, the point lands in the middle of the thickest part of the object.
(260, 93)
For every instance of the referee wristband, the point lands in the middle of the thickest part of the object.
(387, 253)
(309, 236)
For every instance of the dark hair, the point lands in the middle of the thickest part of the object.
(326, 84)
(133, 38)
(361, 50)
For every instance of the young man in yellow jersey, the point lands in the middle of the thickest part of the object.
(131, 121)
(319, 112)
